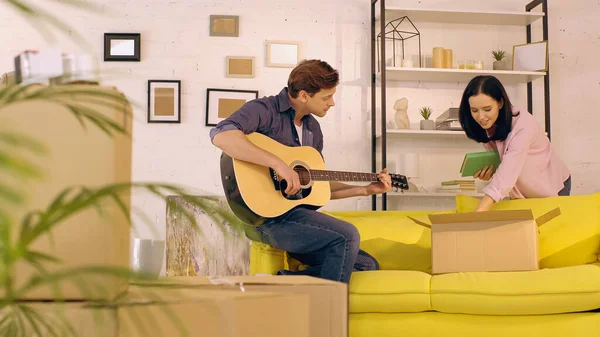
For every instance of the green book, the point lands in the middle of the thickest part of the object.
(476, 161)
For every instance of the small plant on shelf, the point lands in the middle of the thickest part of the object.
(426, 112)
(426, 123)
(499, 54)
(501, 62)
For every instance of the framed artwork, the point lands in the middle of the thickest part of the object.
(531, 57)
(225, 25)
(164, 101)
(239, 66)
(221, 103)
(283, 54)
(122, 47)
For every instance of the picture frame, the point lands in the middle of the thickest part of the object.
(283, 54)
(123, 47)
(164, 101)
(530, 56)
(221, 103)
(224, 25)
(239, 66)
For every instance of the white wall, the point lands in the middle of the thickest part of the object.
(176, 45)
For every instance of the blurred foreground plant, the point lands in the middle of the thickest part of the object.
(22, 318)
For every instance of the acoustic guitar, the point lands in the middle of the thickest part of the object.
(255, 193)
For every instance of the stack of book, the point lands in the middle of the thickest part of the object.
(458, 186)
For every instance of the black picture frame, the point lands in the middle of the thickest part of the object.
(211, 119)
(151, 118)
(135, 57)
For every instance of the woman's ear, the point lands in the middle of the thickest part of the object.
(501, 104)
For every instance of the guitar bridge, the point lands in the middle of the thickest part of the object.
(275, 179)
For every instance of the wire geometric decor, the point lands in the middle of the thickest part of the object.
(392, 32)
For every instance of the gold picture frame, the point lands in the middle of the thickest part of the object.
(240, 66)
(164, 101)
(224, 25)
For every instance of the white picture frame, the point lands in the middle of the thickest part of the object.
(531, 56)
(283, 54)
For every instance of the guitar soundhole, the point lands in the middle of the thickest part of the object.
(303, 175)
(305, 189)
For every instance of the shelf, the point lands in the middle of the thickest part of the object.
(499, 18)
(457, 75)
(424, 132)
(433, 194)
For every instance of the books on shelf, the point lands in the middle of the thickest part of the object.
(458, 186)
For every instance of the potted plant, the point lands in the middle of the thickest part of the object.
(426, 123)
(500, 63)
(20, 316)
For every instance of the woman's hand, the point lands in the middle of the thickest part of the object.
(485, 173)
(485, 204)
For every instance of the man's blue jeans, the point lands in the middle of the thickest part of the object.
(328, 245)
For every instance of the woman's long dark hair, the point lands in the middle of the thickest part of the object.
(491, 86)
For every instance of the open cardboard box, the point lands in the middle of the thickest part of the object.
(485, 241)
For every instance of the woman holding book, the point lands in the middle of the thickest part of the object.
(528, 168)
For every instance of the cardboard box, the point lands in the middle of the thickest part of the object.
(485, 241)
(75, 157)
(63, 319)
(212, 311)
(328, 300)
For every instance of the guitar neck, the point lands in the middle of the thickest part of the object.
(323, 175)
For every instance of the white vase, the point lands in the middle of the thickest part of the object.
(502, 65)
(427, 124)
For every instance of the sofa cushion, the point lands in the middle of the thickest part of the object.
(571, 239)
(393, 239)
(389, 291)
(547, 291)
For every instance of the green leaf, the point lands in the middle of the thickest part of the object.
(27, 223)
(19, 166)
(22, 141)
(39, 256)
(87, 6)
(11, 195)
(38, 322)
(67, 208)
(42, 16)
(69, 274)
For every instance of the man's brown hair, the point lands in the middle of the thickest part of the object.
(312, 76)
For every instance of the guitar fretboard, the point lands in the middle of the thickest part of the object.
(322, 175)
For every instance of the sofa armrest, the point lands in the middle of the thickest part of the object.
(265, 259)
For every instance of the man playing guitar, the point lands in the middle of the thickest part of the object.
(329, 246)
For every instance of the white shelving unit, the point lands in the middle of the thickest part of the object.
(426, 132)
(495, 18)
(432, 194)
(457, 75)
(436, 75)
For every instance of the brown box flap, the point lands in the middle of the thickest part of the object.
(505, 215)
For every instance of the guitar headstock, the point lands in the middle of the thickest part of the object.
(399, 181)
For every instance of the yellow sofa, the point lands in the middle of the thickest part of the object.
(404, 299)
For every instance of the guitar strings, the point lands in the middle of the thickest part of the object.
(305, 175)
